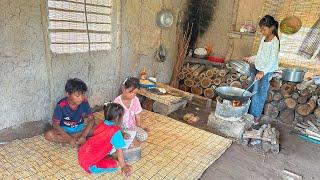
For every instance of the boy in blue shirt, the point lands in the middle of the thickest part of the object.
(72, 118)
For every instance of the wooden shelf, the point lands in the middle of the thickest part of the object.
(238, 35)
(202, 61)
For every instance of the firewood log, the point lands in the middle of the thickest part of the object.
(275, 84)
(317, 113)
(302, 99)
(215, 71)
(222, 72)
(287, 116)
(197, 79)
(224, 84)
(295, 95)
(304, 109)
(236, 84)
(228, 66)
(305, 84)
(270, 96)
(189, 76)
(205, 82)
(217, 81)
(203, 74)
(208, 93)
(198, 71)
(196, 90)
(229, 80)
(304, 92)
(209, 73)
(286, 90)
(277, 96)
(183, 87)
(312, 89)
(270, 110)
(290, 103)
(189, 82)
(243, 78)
(298, 118)
(181, 76)
(318, 101)
(185, 70)
(281, 105)
(234, 77)
(310, 117)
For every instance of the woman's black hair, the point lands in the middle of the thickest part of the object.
(75, 85)
(269, 21)
(113, 112)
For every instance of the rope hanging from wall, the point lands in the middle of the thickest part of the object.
(199, 14)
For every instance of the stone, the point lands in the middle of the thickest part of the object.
(233, 129)
(165, 109)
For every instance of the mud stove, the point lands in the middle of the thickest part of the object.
(230, 118)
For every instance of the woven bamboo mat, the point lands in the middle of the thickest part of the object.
(174, 150)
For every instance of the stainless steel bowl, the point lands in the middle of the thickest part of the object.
(293, 75)
(242, 67)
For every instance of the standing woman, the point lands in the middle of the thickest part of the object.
(266, 62)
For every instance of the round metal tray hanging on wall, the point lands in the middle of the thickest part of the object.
(164, 18)
(290, 25)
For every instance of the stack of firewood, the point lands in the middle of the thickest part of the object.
(201, 80)
(293, 102)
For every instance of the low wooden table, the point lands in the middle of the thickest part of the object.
(165, 104)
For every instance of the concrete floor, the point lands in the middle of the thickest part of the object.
(242, 162)
(238, 162)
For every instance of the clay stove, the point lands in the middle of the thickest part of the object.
(231, 110)
(231, 118)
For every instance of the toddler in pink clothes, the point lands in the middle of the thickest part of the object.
(132, 106)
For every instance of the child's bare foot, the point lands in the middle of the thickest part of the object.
(127, 170)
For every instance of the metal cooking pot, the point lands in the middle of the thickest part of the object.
(293, 75)
(233, 93)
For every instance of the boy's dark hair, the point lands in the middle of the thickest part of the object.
(113, 112)
(269, 21)
(75, 85)
(131, 82)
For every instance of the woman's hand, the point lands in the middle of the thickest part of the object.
(126, 170)
(259, 75)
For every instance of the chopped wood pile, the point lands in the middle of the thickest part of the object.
(203, 80)
(293, 102)
(266, 136)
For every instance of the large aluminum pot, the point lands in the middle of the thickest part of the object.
(293, 75)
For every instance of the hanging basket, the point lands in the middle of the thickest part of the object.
(290, 25)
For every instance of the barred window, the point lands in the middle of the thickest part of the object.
(79, 25)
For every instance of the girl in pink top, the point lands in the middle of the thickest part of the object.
(132, 106)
